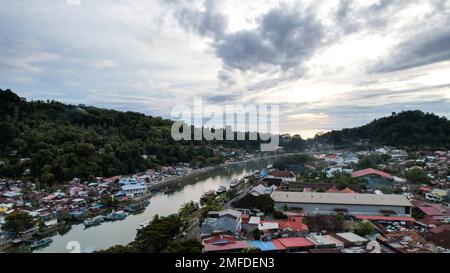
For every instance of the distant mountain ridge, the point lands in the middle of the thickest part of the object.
(413, 129)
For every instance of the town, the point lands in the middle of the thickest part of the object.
(331, 205)
(384, 200)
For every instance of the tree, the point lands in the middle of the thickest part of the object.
(364, 228)
(264, 203)
(18, 221)
(156, 237)
(256, 234)
(417, 175)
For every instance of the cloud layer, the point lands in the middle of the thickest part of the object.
(329, 64)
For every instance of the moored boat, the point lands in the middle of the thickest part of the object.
(94, 221)
(207, 195)
(234, 183)
(144, 225)
(116, 215)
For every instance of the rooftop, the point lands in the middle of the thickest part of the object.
(370, 171)
(295, 242)
(341, 198)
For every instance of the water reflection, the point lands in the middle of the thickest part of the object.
(123, 232)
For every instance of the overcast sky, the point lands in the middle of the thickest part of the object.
(328, 64)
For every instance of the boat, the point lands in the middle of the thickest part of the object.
(115, 216)
(137, 207)
(221, 190)
(94, 221)
(41, 243)
(144, 225)
(234, 183)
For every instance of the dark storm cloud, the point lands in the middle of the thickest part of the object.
(284, 38)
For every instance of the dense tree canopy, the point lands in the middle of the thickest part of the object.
(66, 141)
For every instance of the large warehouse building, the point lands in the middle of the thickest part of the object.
(332, 203)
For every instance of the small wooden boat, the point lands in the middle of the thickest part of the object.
(94, 221)
(207, 195)
(115, 216)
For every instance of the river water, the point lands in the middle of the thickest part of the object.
(123, 232)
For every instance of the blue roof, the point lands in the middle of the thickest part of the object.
(264, 246)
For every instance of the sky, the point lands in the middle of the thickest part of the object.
(327, 64)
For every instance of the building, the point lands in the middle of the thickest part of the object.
(351, 239)
(296, 244)
(222, 222)
(375, 178)
(134, 190)
(224, 243)
(283, 175)
(353, 204)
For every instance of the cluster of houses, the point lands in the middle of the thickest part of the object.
(75, 201)
(306, 207)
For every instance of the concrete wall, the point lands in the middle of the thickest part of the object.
(352, 209)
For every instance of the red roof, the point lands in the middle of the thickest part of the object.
(440, 229)
(216, 238)
(385, 218)
(370, 171)
(293, 222)
(278, 244)
(431, 210)
(331, 156)
(426, 188)
(333, 189)
(295, 242)
(226, 246)
(245, 218)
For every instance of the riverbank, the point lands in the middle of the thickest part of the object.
(123, 232)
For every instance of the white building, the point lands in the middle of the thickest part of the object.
(353, 204)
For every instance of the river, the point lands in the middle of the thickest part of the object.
(123, 232)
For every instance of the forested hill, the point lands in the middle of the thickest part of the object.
(410, 129)
(66, 141)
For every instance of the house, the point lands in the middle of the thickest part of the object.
(249, 200)
(314, 203)
(224, 243)
(404, 242)
(333, 158)
(435, 212)
(351, 239)
(268, 246)
(296, 244)
(283, 175)
(375, 178)
(291, 227)
(371, 172)
(222, 222)
(326, 241)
